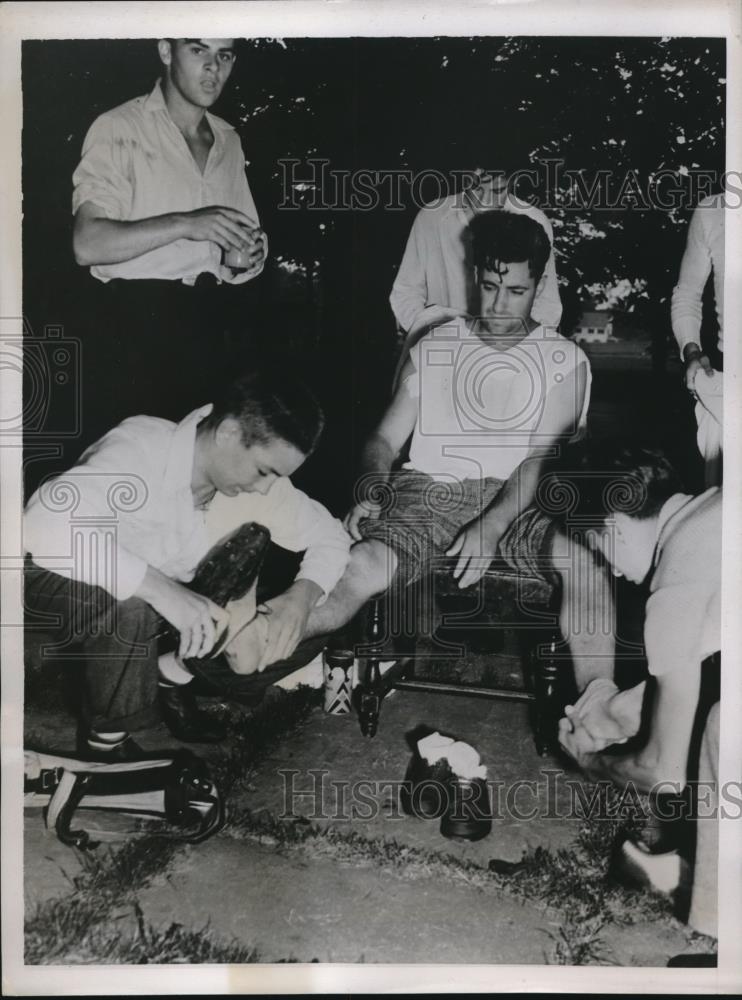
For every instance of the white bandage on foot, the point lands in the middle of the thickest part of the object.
(247, 653)
(172, 670)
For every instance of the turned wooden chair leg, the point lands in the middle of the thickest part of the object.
(369, 693)
(546, 696)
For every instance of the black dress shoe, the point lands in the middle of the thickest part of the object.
(120, 753)
(427, 789)
(693, 962)
(183, 718)
(469, 814)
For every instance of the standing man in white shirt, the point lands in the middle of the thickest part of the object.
(112, 543)
(160, 197)
(704, 254)
(436, 280)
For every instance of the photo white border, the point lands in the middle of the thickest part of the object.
(297, 18)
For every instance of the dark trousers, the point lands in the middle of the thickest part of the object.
(117, 645)
(113, 641)
(159, 348)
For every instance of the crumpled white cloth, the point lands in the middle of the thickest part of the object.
(709, 391)
(462, 758)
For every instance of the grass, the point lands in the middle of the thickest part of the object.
(569, 883)
(61, 927)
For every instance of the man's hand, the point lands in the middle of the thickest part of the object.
(257, 244)
(593, 715)
(228, 227)
(577, 744)
(287, 620)
(356, 514)
(434, 315)
(620, 769)
(197, 618)
(476, 547)
(695, 362)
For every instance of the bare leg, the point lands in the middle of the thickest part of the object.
(587, 616)
(370, 571)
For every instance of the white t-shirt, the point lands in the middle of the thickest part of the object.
(479, 406)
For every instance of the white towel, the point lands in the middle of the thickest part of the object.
(462, 758)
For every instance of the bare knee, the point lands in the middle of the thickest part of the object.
(578, 568)
(371, 568)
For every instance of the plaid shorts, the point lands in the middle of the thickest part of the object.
(421, 517)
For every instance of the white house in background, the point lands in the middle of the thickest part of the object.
(594, 327)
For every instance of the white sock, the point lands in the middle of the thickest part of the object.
(105, 741)
(172, 671)
(662, 870)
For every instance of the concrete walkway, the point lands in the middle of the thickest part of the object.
(337, 900)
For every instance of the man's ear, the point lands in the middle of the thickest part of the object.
(165, 51)
(541, 284)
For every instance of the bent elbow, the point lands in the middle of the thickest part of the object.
(84, 233)
(80, 250)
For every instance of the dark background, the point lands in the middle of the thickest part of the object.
(385, 104)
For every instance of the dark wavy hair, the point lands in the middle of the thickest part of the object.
(596, 479)
(270, 402)
(509, 237)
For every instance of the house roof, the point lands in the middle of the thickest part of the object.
(595, 318)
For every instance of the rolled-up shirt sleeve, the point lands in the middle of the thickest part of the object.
(102, 175)
(686, 310)
(682, 628)
(70, 525)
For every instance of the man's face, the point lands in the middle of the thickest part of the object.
(627, 544)
(505, 298)
(198, 68)
(237, 468)
(488, 190)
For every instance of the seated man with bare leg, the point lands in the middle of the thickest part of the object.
(485, 401)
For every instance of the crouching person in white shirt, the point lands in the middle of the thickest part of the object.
(628, 500)
(112, 543)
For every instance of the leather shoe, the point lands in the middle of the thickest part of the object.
(693, 961)
(183, 718)
(469, 813)
(427, 788)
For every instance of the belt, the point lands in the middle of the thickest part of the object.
(123, 285)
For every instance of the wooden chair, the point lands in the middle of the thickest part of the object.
(507, 602)
(504, 602)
